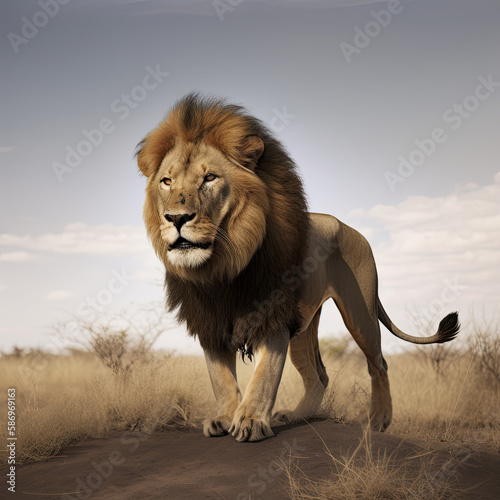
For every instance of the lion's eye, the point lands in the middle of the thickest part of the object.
(166, 181)
(210, 177)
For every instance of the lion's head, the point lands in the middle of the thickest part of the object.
(226, 212)
(206, 208)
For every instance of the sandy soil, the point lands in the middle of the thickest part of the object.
(186, 465)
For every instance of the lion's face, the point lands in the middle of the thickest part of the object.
(194, 196)
(207, 201)
(205, 214)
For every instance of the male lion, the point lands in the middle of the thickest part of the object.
(248, 268)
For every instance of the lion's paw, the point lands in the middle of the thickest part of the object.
(218, 426)
(380, 420)
(250, 429)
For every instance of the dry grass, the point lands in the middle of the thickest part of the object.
(68, 398)
(71, 398)
(366, 474)
(460, 404)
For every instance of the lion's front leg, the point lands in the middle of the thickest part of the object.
(251, 420)
(222, 370)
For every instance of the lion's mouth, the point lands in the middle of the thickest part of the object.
(183, 244)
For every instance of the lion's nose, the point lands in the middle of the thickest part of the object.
(180, 219)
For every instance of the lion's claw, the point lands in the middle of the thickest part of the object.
(250, 429)
(379, 421)
(215, 427)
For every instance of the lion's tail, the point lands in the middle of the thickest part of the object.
(448, 328)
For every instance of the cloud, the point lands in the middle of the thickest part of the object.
(18, 257)
(429, 242)
(59, 295)
(81, 238)
(5, 149)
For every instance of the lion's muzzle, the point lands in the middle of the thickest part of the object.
(179, 220)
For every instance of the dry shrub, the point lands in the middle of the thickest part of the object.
(76, 397)
(336, 346)
(111, 348)
(439, 357)
(485, 345)
(364, 474)
(120, 340)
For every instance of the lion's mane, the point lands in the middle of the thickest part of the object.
(234, 299)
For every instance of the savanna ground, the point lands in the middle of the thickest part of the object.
(446, 414)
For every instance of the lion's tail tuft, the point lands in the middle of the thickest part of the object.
(448, 328)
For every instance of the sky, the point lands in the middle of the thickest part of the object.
(390, 110)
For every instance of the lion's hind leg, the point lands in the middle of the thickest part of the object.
(305, 356)
(365, 330)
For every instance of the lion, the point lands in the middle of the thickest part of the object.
(248, 268)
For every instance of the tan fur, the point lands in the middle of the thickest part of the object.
(339, 264)
(248, 201)
(248, 269)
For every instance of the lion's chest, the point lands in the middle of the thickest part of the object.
(231, 315)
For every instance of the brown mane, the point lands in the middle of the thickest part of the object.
(235, 299)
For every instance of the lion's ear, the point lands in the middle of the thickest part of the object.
(251, 149)
(144, 166)
(151, 151)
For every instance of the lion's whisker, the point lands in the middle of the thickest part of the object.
(222, 235)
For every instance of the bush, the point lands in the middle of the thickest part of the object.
(119, 341)
(485, 345)
(336, 346)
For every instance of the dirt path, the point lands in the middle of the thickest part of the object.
(186, 465)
